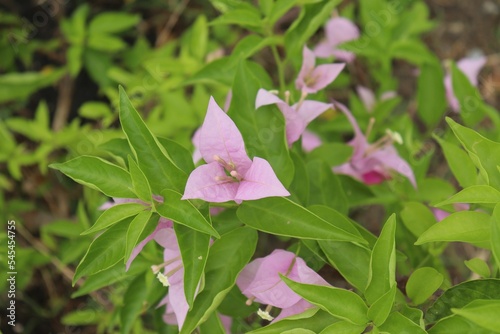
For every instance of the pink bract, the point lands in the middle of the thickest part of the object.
(337, 31)
(312, 78)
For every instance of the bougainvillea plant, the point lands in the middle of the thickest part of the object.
(266, 234)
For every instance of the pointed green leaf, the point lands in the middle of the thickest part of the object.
(484, 313)
(115, 214)
(478, 266)
(184, 212)
(160, 171)
(355, 272)
(340, 303)
(398, 323)
(136, 228)
(179, 154)
(228, 255)
(280, 216)
(417, 217)
(99, 174)
(382, 274)
(104, 252)
(460, 163)
(380, 309)
(465, 226)
(422, 283)
(139, 182)
(457, 325)
(474, 194)
(113, 22)
(483, 152)
(194, 252)
(431, 93)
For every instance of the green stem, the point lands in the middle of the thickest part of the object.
(279, 64)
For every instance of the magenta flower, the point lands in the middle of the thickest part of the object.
(297, 117)
(337, 30)
(368, 98)
(229, 174)
(373, 163)
(313, 78)
(260, 282)
(471, 68)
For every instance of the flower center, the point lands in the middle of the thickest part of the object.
(230, 168)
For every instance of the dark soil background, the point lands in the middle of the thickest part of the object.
(464, 26)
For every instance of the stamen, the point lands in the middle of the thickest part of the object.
(250, 301)
(236, 175)
(287, 97)
(370, 127)
(265, 314)
(224, 179)
(173, 271)
(302, 98)
(227, 166)
(163, 279)
(157, 267)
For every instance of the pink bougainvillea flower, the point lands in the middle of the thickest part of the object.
(260, 281)
(368, 98)
(471, 68)
(229, 174)
(170, 273)
(297, 117)
(373, 163)
(312, 78)
(337, 31)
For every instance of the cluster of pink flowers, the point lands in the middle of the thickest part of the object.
(229, 174)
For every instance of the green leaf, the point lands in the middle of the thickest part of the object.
(112, 22)
(118, 147)
(340, 303)
(198, 37)
(355, 272)
(74, 57)
(325, 187)
(106, 43)
(334, 154)
(133, 300)
(478, 266)
(482, 151)
(19, 86)
(213, 325)
(115, 214)
(99, 174)
(184, 212)
(484, 313)
(226, 259)
(280, 216)
(417, 217)
(431, 94)
(459, 162)
(104, 252)
(462, 294)
(474, 194)
(457, 325)
(465, 226)
(422, 284)
(160, 171)
(95, 110)
(81, 317)
(194, 252)
(382, 274)
(343, 327)
(279, 9)
(495, 234)
(398, 323)
(136, 229)
(263, 130)
(247, 18)
(250, 45)
(299, 187)
(312, 319)
(413, 51)
(179, 154)
(139, 181)
(380, 309)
